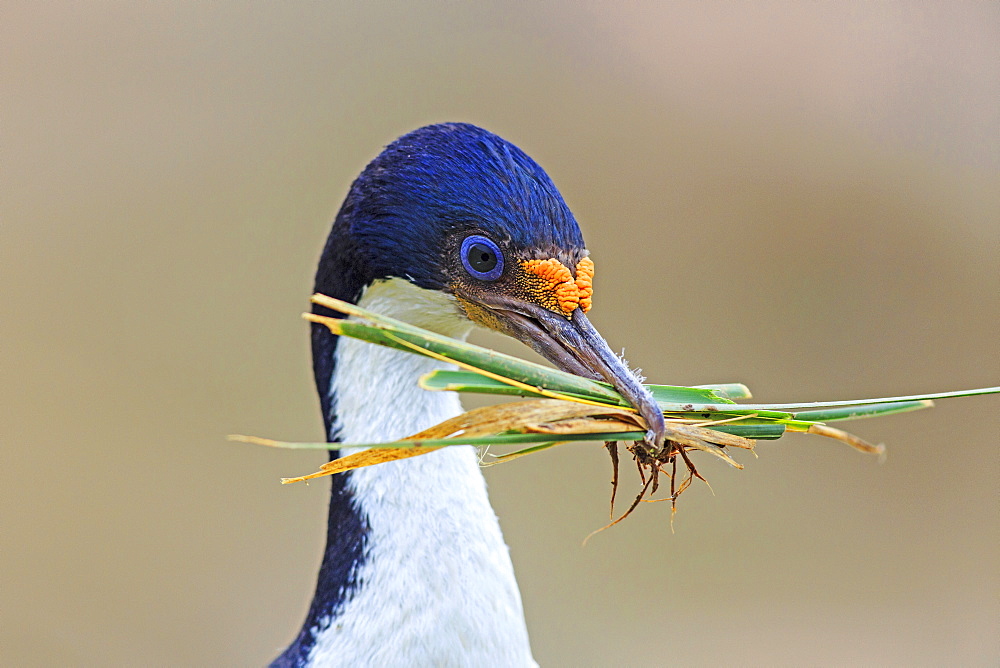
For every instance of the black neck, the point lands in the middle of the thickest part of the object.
(347, 528)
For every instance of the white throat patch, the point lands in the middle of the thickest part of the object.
(376, 392)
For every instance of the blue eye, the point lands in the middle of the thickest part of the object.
(482, 258)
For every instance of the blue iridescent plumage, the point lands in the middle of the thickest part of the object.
(426, 188)
(434, 182)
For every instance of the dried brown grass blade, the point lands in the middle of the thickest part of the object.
(583, 425)
(359, 460)
(845, 437)
(482, 421)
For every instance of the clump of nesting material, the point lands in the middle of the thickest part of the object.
(563, 408)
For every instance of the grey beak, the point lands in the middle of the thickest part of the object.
(573, 345)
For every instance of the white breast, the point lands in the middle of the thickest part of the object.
(437, 586)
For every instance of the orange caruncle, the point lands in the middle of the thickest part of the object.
(550, 284)
(585, 282)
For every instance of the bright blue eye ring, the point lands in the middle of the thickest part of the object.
(482, 258)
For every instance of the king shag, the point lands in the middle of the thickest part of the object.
(449, 227)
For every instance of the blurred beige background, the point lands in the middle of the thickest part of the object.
(801, 196)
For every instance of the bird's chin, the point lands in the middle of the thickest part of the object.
(571, 344)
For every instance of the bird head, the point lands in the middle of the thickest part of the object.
(457, 209)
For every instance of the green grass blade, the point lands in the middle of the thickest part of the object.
(867, 402)
(761, 431)
(498, 439)
(507, 366)
(377, 327)
(726, 390)
(755, 431)
(670, 397)
(499, 459)
(856, 412)
(677, 394)
(470, 381)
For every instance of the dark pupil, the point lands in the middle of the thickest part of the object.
(482, 258)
